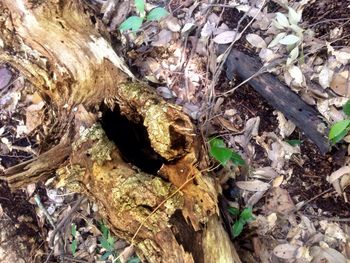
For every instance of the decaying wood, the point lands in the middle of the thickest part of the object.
(279, 96)
(38, 169)
(68, 58)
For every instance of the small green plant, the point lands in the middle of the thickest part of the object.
(341, 128)
(242, 218)
(74, 244)
(291, 34)
(107, 242)
(294, 142)
(222, 154)
(134, 23)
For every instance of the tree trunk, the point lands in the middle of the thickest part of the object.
(171, 216)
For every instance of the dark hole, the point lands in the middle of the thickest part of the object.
(61, 24)
(93, 19)
(132, 141)
(300, 110)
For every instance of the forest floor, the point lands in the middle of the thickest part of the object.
(299, 196)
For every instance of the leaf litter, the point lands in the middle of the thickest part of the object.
(178, 55)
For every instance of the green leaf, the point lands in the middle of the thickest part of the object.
(74, 246)
(133, 23)
(246, 215)
(294, 142)
(339, 137)
(339, 130)
(104, 243)
(294, 16)
(282, 20)
(293, 55)
(237, 159)
(237, 228)
(134, 260)
(157, 14)
(104, 230)
(106, 255)
(289, 40)
(217, 143)
(346, 108)
(222, 154)
(219, 151)
(110, 240)
(276, 40)
(140, 7)
(74, 230)
(233, 211)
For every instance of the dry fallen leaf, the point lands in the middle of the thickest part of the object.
(336, 176)
(120, 15)
(253, 186)
(164, 37)
(265, 173)
(333, 232)
(340, 83)
(285, 251)
(296, 74)
(226, 37)
(320, 254)
(268, 55)
(325, 77)
(256, 41)
(286, 127)
(173, 24)
(277, 181)
(279, 201)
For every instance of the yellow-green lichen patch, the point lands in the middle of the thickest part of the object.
(71, 178)
(101, 146)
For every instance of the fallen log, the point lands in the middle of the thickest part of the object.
(278, 95)
(169, 216)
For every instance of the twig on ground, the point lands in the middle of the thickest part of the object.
(64, 220)
(43, 209)
(49, 218)
(336, 219)
(314, 198)
(219, 68)
(26, 149)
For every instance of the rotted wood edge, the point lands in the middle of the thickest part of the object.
(278, 95)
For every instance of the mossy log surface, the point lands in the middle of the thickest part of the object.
(68, 57)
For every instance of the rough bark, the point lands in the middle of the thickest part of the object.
(69, 59)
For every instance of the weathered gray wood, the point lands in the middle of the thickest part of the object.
(278, 95)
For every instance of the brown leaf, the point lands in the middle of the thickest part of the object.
(340, 83)
(279, 201)
(164, 37)
(285, 251)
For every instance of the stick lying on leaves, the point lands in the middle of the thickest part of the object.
(278, 96)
